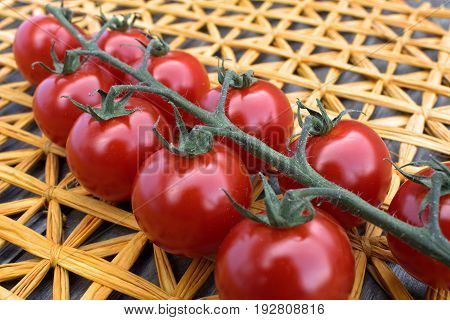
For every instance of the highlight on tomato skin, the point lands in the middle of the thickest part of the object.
(105, 156)
(56, 115)
(313, 261)
(261, 110)
(354, 157)
(180, 204)
(406, 206)
(33, 41)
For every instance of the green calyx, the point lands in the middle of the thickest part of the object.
(119, 22)
(238, 81)
(433, 163)
(110, 107)
(70, 64)
(191, 143)
(156, 46)
(321, 122)
(286, 213)
(438, 183)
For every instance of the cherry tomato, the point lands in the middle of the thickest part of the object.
(180, 72)
(406, 206)
(122, 45)
(261, 110)
(105, 156)
(310, 261)
(353, 156)
(179, 202)
(33, 41)
(55, 115)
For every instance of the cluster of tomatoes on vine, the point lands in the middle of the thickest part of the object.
(179, 200)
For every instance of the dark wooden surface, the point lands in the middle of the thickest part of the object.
(145, 266)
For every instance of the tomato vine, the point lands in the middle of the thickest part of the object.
(428, 239)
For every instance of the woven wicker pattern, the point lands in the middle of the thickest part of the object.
(286, 41)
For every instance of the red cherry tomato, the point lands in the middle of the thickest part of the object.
(261, 110)
(179, 202)
(353, 156)
(105, 156)
(122, 45)
(55, 115)
(33, 41)
(180, 72)
(310, 261)
(406, 206)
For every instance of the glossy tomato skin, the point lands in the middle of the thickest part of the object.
(261, 110)
(181, 72)
(33, 41)
(122, 45)
(353, 156)
(179, 202)
(311, 261)
(105, 156)
(56, 115)
(406, 206)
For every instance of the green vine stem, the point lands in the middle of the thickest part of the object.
(427, 240)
